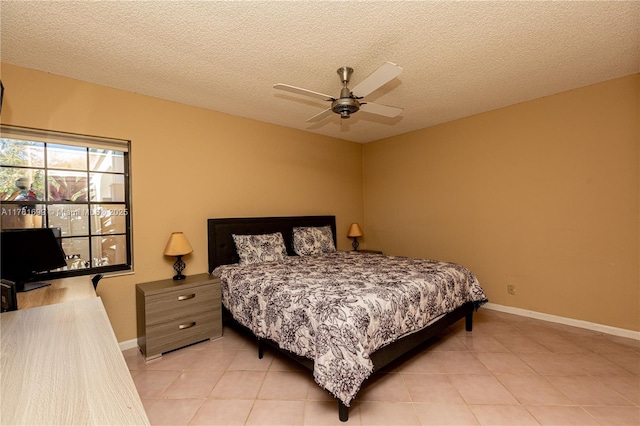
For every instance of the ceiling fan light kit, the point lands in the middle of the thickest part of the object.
(349, 100)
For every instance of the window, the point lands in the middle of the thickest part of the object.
(77, 185)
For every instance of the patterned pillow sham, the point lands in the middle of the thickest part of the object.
(260, 248)
(313, 240)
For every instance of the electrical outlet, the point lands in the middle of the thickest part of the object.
(511, 289)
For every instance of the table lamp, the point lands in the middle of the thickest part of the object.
(355, 232)
(178, 246)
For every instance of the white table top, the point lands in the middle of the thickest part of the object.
(60, 291)
(61, 364)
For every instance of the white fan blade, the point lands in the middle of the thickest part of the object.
(318, 117)
(387, 72)
(301, 91)
(385, 110)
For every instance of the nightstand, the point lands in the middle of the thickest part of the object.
(176, 313)
(369, 251)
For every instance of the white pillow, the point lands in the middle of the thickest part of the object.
(260, 248)
(313, 240)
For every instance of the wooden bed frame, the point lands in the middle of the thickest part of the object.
(222, 251)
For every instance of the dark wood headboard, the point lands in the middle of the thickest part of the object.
(222, 249)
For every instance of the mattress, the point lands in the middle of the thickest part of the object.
(338, 308)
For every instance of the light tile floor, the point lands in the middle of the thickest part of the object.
(510, 370)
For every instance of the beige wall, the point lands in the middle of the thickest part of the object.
(190, 164)
(543, 195)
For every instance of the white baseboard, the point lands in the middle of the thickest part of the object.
(128, 344)
(630, 334)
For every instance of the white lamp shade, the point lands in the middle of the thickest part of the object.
(354, 231)
(178, 245)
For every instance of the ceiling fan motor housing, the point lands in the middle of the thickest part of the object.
(346, 105)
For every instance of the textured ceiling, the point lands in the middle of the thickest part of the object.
(459, 58)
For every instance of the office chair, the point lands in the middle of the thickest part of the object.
(95, 279)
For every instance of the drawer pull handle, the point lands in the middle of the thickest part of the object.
(186, 297)
(189, 325)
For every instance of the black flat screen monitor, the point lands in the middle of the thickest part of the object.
(26, 252)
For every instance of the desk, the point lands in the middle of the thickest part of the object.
(60, 291)
(60, 364)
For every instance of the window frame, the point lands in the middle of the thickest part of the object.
(47, 137)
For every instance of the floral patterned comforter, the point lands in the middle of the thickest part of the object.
(337, 308)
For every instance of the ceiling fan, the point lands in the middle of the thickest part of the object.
(349, 101)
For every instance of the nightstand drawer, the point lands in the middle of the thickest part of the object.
(181, 332)
(180, 303)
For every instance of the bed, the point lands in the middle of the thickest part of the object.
(341, 314)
